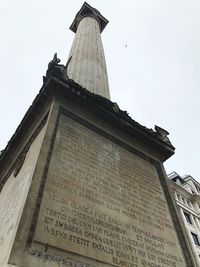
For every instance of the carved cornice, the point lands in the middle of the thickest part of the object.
(88, 11)
(58, 85)
(111, 113)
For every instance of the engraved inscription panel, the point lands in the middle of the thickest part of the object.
(103, 202)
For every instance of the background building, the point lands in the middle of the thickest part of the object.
(187, 195)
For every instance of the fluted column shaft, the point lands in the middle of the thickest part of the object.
(87, 66)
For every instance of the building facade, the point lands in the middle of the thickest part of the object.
(186, 192)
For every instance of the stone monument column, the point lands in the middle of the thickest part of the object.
(81, 182)
(87, 66)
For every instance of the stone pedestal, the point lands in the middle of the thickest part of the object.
(98, 194)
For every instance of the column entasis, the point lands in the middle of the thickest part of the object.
(87, 66)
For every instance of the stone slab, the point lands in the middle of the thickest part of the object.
(13, 197)
(103, 202)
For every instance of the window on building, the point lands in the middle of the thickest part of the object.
(193, 192)
(197, 188)
(188, 218)
(196, 221)
(178, 197)
(190, 204)
(195, 239)
(183, 199)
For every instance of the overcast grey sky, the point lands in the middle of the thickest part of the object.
(152, 51)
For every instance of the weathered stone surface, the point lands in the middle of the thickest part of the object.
(105, 203)
(87, 66)
(13, 197)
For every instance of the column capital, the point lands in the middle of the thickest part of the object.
(87, 10)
